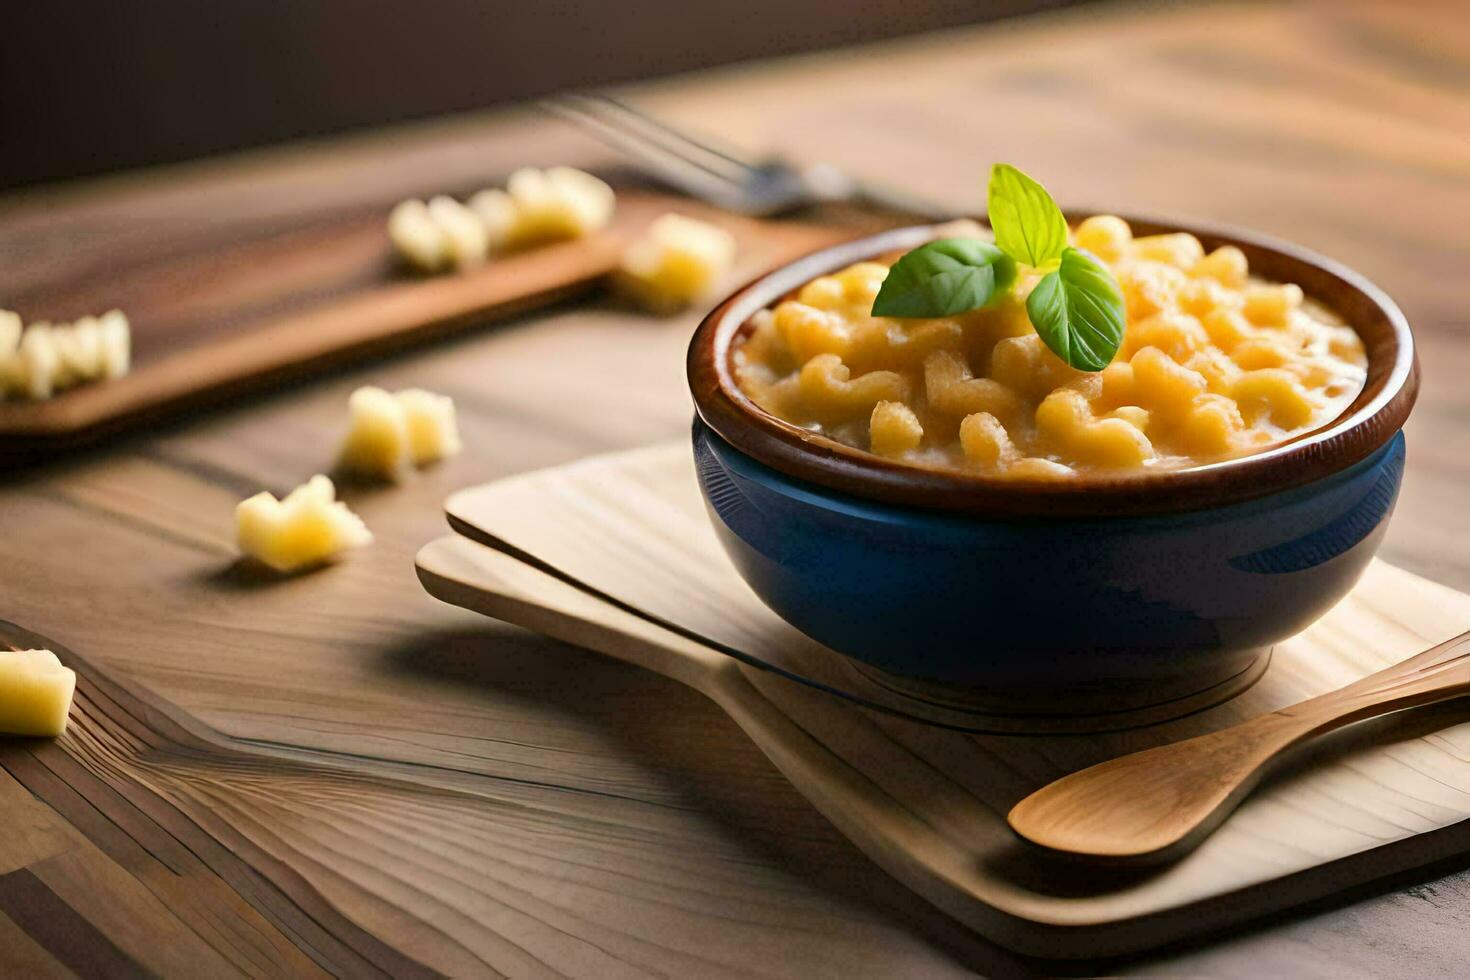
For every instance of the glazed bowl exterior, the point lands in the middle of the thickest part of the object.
(1174, 581)
(1176, 601)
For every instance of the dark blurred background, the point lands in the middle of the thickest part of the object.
(89, 86)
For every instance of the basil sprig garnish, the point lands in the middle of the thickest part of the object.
(1027, 223)
(945, 277)
(1078, 311)
(1076, 308)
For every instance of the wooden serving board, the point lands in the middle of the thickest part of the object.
(267, 306)
(927, 802)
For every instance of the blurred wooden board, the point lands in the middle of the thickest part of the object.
(629, 566)
(254, 307)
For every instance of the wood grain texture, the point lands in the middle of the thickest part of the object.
(938, 821)
(671, 831)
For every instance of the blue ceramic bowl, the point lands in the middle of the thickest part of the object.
(1158, 585)
(1182, 600)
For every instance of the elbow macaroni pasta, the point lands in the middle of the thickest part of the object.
(535, 206)
(38, 361)
(675, 262)
(1214, 364)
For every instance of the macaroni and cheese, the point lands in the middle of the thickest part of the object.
(1213, 364)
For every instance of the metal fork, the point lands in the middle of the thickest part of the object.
(722, 177)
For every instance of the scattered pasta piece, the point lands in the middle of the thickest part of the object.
(676, 262)
(45, 358)
(307, 528)
(550, 205)
(464, 236)
(10, 331)
(418, 237)
(390, 431)
(433, 433)
(439, 235)
(377, 442)
(35, 693)
(536, 206)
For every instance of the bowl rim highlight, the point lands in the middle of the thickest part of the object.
(1368, 423)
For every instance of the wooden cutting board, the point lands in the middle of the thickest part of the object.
(927, 802)
(260, 308)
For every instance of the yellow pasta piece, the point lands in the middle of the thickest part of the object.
(1133, 415)
(1271, 305)
(1163, 383)
(1180, 250)
(1211, 426)
(1177, 334)
(1260, 352)
(308, 527)
(676, 262)
(390, 431)
(433, 432)
(834, 395)
(1227, 328)
(985, 441)
(1065, 417)
(1275, 394)
(554, 204)
(377, 441)
(1037, 468)
(894, 429)
(1226, 265)
(1148, 287)
(951, 389)
(809, 331)
(1104, 235)
(35, 693)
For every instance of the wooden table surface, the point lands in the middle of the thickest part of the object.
(617, 823)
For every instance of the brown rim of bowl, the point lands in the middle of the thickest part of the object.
(1368, 423)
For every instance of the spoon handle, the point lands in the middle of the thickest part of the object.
(1437, 674)
(1159, 803)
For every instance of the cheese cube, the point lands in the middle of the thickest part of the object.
(35, 693)
(676, 262)
(432, 432)
(377, 443)
(307, 528)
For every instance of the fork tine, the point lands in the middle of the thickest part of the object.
(717, 159)
(687, 175)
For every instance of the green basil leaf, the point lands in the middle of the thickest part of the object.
(945, 277)
(1028, 225)
(1078, 311)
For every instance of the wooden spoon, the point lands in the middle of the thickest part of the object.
(1159, 804)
